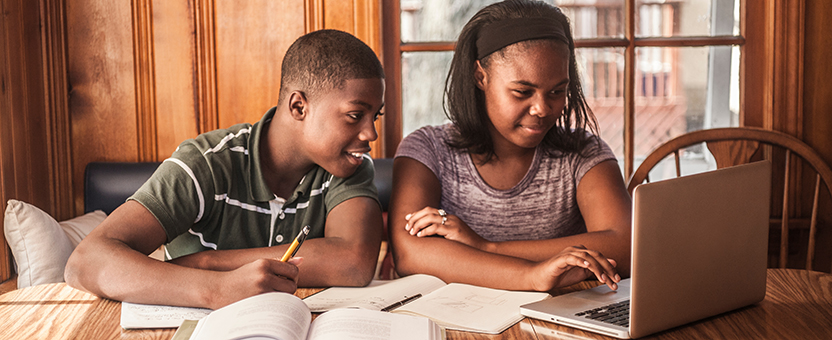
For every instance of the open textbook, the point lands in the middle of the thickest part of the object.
(453, 306)
(285, 317)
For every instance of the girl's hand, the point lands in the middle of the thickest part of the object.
(431, 221)
(573, 265)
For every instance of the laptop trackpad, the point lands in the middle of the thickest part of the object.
(604, 294)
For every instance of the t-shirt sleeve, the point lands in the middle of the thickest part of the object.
(360, 184)
(176, 192)
(420, 146)
(595, 152)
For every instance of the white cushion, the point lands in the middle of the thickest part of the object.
(40, 245)
(79, 227)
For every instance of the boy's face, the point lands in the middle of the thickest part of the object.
(340, 125)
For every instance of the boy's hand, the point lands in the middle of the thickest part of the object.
(573, 265)
(431, 221)
(258, 277)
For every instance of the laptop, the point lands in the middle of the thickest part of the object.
(699, 249)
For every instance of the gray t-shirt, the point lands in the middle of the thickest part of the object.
(542, 206)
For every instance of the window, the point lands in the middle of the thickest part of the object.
(651, 69)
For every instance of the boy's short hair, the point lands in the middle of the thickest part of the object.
(323, 60)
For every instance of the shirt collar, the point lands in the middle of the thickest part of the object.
(260, 191)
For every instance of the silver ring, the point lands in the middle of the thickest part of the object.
(444, 215)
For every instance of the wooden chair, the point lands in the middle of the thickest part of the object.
(733, 146)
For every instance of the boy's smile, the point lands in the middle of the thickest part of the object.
(340, 124)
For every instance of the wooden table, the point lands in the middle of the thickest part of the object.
(798, 305)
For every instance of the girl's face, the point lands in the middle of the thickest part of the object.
(525, 91)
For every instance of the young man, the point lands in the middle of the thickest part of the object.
(229, 202)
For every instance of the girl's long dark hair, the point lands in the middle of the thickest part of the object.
(465, 102)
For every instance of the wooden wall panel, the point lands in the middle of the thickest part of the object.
(391, 57)
(817, 105)
(33, 136)
(56, 86)
(756, 65)
(144, 66)
(788, 67)
(359, 17)
(175, 55)
(24, 125)
(251, 38)
(206, 62)
(335, 18)
(314, 10)
(367, 23)
(817, 101)
(102, 100)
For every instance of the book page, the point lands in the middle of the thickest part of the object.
(135, 315)
(376, 296)
(271, 315)
(472, 308)
(361, 324)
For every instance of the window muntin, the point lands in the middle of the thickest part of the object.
(660, 64)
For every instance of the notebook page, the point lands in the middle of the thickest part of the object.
(472, 308)
(135, 315)
(379, 294)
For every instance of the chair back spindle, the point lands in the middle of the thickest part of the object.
(784, 219)
(734, 146)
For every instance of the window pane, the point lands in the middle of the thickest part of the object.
(437, 20)
(423, 84)
(442, 20)
(594, 18)
(687, 18)
(679, 90)
(602, 77)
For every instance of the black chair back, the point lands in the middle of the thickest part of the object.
(108, 184)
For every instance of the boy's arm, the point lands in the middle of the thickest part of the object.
(348, 253)
(416, 187)
(345, 256)
(112, 262)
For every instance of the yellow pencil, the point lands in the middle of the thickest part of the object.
(293, 248)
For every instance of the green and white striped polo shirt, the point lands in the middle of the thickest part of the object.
(211, 194)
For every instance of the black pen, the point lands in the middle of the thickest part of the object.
(400, 303)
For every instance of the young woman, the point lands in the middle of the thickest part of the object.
(517, 192)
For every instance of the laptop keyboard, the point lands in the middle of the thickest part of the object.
(616, 313)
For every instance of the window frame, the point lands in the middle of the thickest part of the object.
(393, 48)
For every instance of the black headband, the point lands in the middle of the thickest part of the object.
(502, 33)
